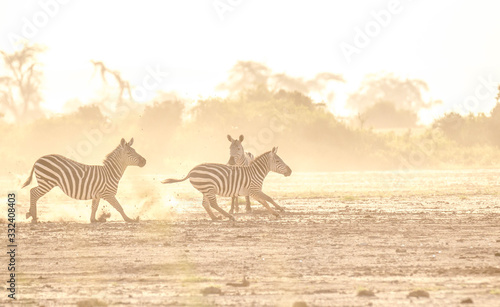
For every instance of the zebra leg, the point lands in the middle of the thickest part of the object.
(206, 205)
(95, 205)
(269, 199)
(248, 208)
(236, 204)
(232, 205)
(35, 194)
(259, 196)
(114, 202)
(213, 203)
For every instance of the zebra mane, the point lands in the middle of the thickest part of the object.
(111, 154)
(257, 158)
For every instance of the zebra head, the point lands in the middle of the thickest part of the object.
(129, 154)
(236, 150)
(277, 165)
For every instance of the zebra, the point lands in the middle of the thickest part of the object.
(82, 181)
(239, 157)
(213, 179)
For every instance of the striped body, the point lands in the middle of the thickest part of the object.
(213, 179)
(81, 181)
(225, 180)
(77, 180)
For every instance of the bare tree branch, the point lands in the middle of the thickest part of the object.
(123, 84)
(20, 88)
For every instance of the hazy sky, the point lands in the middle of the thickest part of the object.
(452, 45)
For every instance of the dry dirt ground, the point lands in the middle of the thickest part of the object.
(323, 251)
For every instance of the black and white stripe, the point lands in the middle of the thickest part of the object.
(239, 157)
(81, 181)
(218, 179)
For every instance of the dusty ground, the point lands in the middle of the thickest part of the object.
(442, 238)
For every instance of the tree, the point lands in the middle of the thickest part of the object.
(452, 125)
(244, 75)
(385, 115)
(494, 123)
(20, 87)
(124, 85)
(249, 75)
(162, 117)
(318, 84)
(406, 94)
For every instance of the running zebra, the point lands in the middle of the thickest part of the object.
(238, 157)
(81, 181)
(218, 179)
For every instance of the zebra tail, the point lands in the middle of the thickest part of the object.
(28, 181)
(176, 180)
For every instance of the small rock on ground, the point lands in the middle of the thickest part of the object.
(365, 292)
(93, 302)
(418, 293)
(211, 290)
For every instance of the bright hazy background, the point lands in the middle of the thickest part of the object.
(449, 44)
(337, 85)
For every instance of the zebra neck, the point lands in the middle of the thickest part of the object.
(114, 167)
(260, 168)
(240, 160)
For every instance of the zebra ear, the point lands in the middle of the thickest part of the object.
(241, 138)
(123, 142)
(131, 142)
(275, 150)
(229, 138)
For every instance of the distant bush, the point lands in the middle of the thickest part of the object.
(171, 136)
(471, 129)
